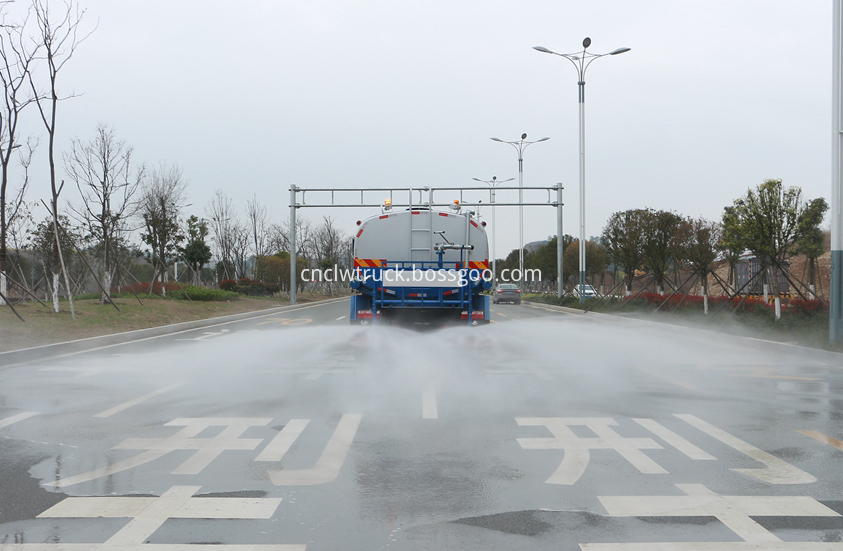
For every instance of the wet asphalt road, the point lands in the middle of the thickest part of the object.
(541, 431)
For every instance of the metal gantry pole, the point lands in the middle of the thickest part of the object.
(560, 280)
(293, 251)
(835, 324)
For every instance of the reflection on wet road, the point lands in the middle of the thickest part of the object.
(542, 431)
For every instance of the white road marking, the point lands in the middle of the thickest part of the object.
(675, 440)
(280, 445)
(314, 374)
(136, 401)
(340, 318)
(149, 513)
(206, 335)
(207, 449)
(429, 402)
(329, 463)
(577, 449)
(733, 511)
(16, 418)
(776, 471)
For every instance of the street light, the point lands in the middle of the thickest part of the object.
(581, 61)
(493, 183)
(520, 146)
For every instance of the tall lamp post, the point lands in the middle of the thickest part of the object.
(581, 61)
(493, 183)
(520, 146)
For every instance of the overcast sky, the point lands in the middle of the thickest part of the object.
(713, 98)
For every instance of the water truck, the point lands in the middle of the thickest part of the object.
(421, 266)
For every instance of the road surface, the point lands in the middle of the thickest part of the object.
(543, 430)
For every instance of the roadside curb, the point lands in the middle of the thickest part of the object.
(25, 355)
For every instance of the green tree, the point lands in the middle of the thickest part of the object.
(659, 243)
(769, 220)
(732, 243)
(196, 252)
(811, 238)
(624, 240)
(697, 241)
(596, 259)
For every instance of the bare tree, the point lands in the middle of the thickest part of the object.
(58, 38)
(223, 223)
(103, 174)
(16, 57)
(258, 225)
(162, 198)
(241, 245)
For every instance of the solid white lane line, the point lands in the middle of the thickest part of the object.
(279, 445)
(15, 418)
(136, 401)
(776, 471)
(674, 440)
(340, 318)
(429, 410)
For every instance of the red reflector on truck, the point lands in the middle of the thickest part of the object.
(366, 314)
(476, 315)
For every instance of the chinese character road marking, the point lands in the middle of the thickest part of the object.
(776, 472)
(809, 433)
(207, 449)
(733, 511)
(328, 465)
(149, 513)
(577, 449)
(15, 418)
(136, 401)
(429, 402)
(279, 445)
(675, 440)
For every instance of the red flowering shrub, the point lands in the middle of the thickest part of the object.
(227, 284)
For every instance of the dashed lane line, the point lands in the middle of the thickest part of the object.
(136, 401)
(16, 418)
(834, 442)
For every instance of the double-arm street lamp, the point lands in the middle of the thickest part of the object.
(493, 183)
(520, 146)
(581, 61)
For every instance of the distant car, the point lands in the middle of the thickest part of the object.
(507, 292)
(587, 291)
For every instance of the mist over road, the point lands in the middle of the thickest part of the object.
(543, 430)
